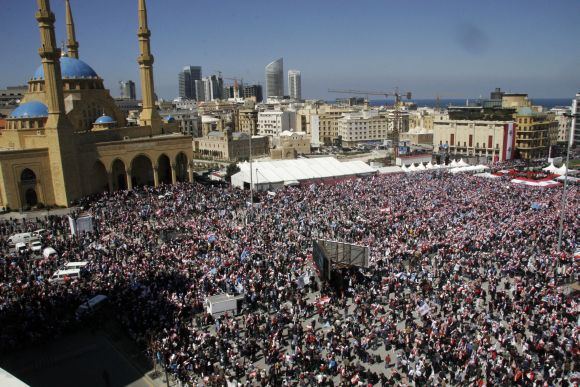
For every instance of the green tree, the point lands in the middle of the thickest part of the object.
(231, 169)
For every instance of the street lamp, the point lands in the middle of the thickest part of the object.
(563, 203)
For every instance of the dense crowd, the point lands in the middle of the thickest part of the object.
(460, 288)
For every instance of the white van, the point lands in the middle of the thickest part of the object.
(224, 303)
(38, 233)
(60, 275)
(91, 305)
(36, 246)
(75, 265)
(23, 237)
(20, 247)
(48, 252)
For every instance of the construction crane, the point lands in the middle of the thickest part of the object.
(237, 85)
(398, 97)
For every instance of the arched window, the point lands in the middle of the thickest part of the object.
(27, 176)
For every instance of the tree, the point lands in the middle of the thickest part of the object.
(231, 169)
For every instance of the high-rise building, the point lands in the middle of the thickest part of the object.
(206, 82)
(213, 88)
(275, 79)
(254, 92)
(199, 90)
(187, 79)
(575, 128)
(217, 87)
(294, 84)
(127, 89)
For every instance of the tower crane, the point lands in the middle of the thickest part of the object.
(237, 85)
(398, 97)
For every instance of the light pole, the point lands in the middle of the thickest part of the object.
(563, 203)
(251, 182)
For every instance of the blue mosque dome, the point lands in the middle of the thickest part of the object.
(30, 110)
(105, 120)
(70, 68)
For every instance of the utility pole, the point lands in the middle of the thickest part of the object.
(251, 181)
(563, 206)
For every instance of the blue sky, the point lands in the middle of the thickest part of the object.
(455, 49)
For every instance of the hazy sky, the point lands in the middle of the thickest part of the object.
(457, 49)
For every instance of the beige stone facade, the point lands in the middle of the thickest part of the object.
(474, 138)
(536, 132)
(68, 139)
(328, 122)
(229, 146)
(417, 138)
(515, 101)
(368, 125)
(291, 144)
(247, 121)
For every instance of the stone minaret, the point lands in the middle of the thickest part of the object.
(149, 115)
(58, 130)
(50, 55)
(71, 43)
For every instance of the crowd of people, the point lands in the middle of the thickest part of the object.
(465, 284)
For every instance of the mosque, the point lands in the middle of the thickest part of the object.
(67, 139)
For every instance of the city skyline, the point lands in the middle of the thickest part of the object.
(455, 51)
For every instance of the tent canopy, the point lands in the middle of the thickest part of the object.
(280, 172)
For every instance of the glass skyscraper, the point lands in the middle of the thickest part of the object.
(294, 84)
(187, 79)
(275, 79)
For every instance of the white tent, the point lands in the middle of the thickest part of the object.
(462, 163)
(561, 171)
(390, 169)
(412, 168)
(267, 175)
(487, 175)
(453, 163)
(404, 168)
(421, 167)
(571, 179)
(470, 168)
(430, 165)
(550, 168)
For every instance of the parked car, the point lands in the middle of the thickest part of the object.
(36, 246)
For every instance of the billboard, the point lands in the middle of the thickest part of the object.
(509, 141)
(81, 224)
(331, 255)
